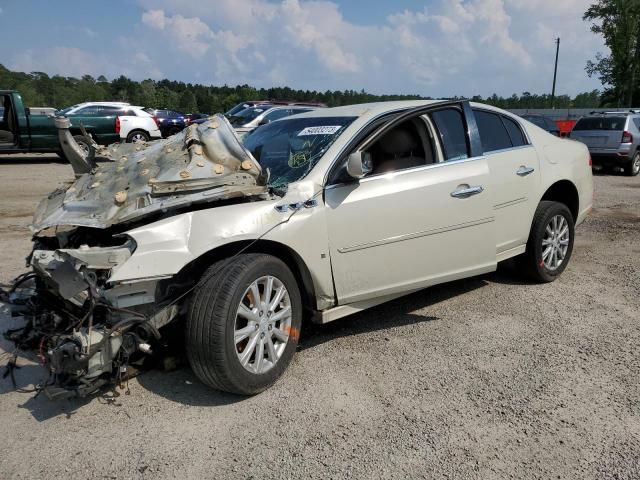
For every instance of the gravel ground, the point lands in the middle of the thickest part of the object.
(489, 377)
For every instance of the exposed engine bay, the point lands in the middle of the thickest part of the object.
(88, 330)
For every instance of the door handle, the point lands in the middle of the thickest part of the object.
(467, 192)
(524, 171)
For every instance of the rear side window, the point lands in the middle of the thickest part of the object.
(88, 111)
(514, 131)
(107, 110)
(601, 123)
(453, 133)
(493, 134)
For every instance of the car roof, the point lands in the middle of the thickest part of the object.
(366, 109)
(108, 104)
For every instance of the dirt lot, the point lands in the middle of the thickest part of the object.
(490, 377)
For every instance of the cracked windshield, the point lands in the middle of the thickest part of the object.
(291, 148)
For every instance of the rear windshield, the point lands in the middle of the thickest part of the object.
(600, 123)
(247, 115)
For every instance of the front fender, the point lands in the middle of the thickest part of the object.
(166, 246)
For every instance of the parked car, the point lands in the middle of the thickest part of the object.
(251, 118)
(136, 125)
(196, 118)
(253, 103)
(613, 139)
(543, 122)
(320, 215)
(130, 123)
(23, 131)
(170, 121)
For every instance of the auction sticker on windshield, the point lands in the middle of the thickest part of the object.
(322, 130)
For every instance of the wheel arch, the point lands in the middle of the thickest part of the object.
(134, 130)
(564, 191)
(196, 268)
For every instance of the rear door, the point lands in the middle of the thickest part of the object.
(515, 177)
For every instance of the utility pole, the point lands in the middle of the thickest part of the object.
(555, 75)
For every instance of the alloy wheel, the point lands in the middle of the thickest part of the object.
(263, 324)
(555, 242)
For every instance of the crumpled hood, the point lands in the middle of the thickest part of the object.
(204, 163)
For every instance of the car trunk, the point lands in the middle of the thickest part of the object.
(599, 132)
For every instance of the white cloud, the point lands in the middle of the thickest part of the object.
(75, 62)
(450, 47)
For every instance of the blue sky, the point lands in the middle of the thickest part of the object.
(435, 47)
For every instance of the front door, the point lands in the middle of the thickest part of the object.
(421, 217)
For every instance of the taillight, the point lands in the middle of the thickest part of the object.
(590, 161)
(155, 119)
(627, 137)
(117, 124)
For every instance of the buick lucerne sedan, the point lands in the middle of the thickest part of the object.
(315, 216)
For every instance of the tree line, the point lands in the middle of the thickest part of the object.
(39, 89)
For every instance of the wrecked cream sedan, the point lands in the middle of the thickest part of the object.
(319, 215)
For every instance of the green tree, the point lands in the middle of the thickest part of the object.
(187, 102)
(618, 21)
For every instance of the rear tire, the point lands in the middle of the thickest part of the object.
(138, 136)
(221, 341)
(549, 246)
(633, 168)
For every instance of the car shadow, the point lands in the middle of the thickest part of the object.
(180, 385)
(508, 274)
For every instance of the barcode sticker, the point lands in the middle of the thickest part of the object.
(326, 130)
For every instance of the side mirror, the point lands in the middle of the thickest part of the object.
(264, 121)
(359, 164)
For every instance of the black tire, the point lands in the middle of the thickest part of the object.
(173, 131)
(138, 135)
(633, 167)
(87, 145)
(531, 262)
(210, 344)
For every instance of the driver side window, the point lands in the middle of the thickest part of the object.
(407, 145)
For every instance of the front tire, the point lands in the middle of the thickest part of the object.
(550, 242)
(236, 342)
(633, 168)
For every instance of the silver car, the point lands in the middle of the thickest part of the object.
(613, 139)
(251, 118)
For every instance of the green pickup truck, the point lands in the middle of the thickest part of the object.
(26, 131)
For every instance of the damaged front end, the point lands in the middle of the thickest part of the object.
(88, 330)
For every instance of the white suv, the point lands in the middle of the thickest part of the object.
(132, 123)
(136, 125)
